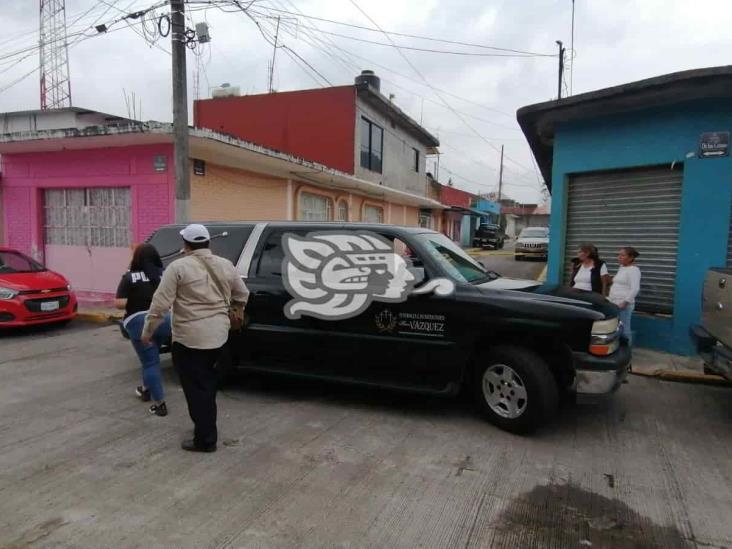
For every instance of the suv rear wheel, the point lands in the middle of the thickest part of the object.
(515, 389)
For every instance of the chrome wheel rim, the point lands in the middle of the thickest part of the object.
(504, 391)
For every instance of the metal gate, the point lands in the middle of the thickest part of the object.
(87, 235)
(639, 208)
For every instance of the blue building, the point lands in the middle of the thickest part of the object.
(647, 165)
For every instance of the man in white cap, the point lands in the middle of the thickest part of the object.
(199, 287)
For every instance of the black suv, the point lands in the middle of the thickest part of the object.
(516, 346)
(489, 234)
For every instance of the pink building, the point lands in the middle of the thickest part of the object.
(79, 188)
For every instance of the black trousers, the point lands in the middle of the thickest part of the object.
(198, 377)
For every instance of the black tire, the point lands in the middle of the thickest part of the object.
(517, 257)
(500, 245)
(528, 370)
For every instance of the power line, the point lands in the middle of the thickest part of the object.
(81, 37)
(405, 35)
(411, 92)
(429, 50)
(286, 48)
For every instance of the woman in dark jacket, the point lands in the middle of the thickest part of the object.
(134, 295)
(589, 272)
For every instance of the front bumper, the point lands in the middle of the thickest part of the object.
(531, 252)
(15, 313)
(487, 241)
(717, 356)
(601, 375)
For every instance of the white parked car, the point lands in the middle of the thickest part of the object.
(532, 242)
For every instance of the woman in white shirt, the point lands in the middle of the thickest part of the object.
(625, 288)
(589, 272)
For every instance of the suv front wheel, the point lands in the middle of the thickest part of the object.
(514, 389)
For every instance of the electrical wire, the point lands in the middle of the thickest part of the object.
(354, 67)
(405, 35)
(426, 50)
(81, 37)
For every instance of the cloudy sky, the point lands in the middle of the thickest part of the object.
(465, 94)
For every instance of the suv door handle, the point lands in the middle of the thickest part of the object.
(263, 293)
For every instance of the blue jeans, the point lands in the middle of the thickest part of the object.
(625, 316)
(150, 356)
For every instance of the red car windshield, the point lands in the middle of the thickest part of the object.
(15, 262)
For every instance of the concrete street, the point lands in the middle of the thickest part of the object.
(502, 262)
(82, 464)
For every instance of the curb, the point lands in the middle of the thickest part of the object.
(685, 376)
(98, 317)
(487, 252)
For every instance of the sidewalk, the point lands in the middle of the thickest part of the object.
(101, 315)
(672, 367)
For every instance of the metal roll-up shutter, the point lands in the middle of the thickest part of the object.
(729, 244)
(638, 208)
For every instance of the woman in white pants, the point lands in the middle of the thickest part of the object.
(625, 288)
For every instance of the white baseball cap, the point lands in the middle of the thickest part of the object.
(195, 233)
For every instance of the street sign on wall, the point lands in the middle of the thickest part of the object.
(714, 144)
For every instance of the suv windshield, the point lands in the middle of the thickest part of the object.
(534, 233)
(456, 263)
(15, 262)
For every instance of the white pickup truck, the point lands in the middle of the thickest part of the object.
(714, 335)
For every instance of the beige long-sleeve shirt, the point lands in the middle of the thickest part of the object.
(200, 313)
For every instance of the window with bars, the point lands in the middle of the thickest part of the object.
(373, 214)
(314, 207)
(98, 217)
(425, 219)
(342, 211)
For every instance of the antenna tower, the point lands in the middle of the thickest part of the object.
(55, 83)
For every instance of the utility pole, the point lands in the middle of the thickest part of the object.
(571, 54)
(561, 69)
(500, 177)
(180, 112)
(274, 55)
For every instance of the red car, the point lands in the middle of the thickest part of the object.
(31, 294)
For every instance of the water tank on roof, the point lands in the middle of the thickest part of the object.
(225, 90)
(370, 78)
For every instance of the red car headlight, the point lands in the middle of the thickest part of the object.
(7, 293)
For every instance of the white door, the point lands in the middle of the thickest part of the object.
(87, 235)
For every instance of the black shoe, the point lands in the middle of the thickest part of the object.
(159, 409)
(190, 446)
(142, 394)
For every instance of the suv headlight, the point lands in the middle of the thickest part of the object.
(7, 293)
(605, 337)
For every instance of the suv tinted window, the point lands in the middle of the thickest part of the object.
(168, 242)
(272, 254)
(270, 260)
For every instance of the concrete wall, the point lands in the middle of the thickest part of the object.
(26, 175)
(398, 154)
(523, 221)
(316, 125)
(225, 194)
(49, 120)
(648, 138)
(95, 271)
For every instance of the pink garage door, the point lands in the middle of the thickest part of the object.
(87, 235)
